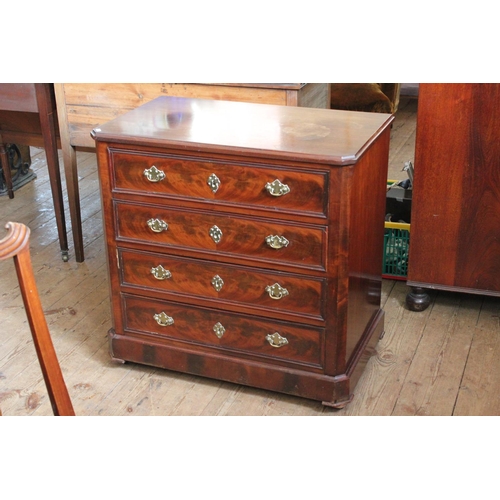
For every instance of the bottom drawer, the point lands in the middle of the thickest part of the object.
(227, 331)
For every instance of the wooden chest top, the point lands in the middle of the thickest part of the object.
(316, 135)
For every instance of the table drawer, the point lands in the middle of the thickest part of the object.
(275, 188)
(224, 283)
(222, 233)
(232, 332)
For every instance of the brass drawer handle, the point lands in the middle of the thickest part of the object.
(160, 273)
(214, 182)
(276, 291)
(157, 225)
(219, 330)
(276, 188)
(154, 175)
(276, 340)
(277, 242)
(163, 319)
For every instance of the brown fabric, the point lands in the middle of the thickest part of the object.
(392, 91)
(360, 97)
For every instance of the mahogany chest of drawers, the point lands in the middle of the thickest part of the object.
(244, 241)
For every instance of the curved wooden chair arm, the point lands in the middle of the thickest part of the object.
(16, 245)
(16, 240)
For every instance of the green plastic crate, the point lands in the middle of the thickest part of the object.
(396, 250)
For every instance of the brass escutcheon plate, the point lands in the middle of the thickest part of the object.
(217, 283)
(214, 182)
(219, 330)
(215, 233)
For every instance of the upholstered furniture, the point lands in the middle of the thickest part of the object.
(370, 97)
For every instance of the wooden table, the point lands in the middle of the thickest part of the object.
(83, 107)
(455, 223)
(28, 116)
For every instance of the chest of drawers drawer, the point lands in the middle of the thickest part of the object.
(246, 237)
(222, 284)
(244, 242)
(234, 333)
(277, 189)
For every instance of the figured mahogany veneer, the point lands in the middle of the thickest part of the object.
(455, 226)
(242, 333)
(188, 179)
(245, 237)
(244, 241)
(241, 286)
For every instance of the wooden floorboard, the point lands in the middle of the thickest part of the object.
(479, 389)
(443, 361)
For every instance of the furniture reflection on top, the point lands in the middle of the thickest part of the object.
(16, 245)
(28, 116)
(83, 107)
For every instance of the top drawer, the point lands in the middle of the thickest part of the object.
(227, 183)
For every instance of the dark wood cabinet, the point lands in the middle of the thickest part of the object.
(455, 225)
(244, 241)
(28, 116)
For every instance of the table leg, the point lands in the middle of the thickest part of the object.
(48, 125)
(4, 160)
(71, 174)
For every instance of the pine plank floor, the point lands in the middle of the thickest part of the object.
(440, 362)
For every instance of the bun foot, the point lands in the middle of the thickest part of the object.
(418, 299)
